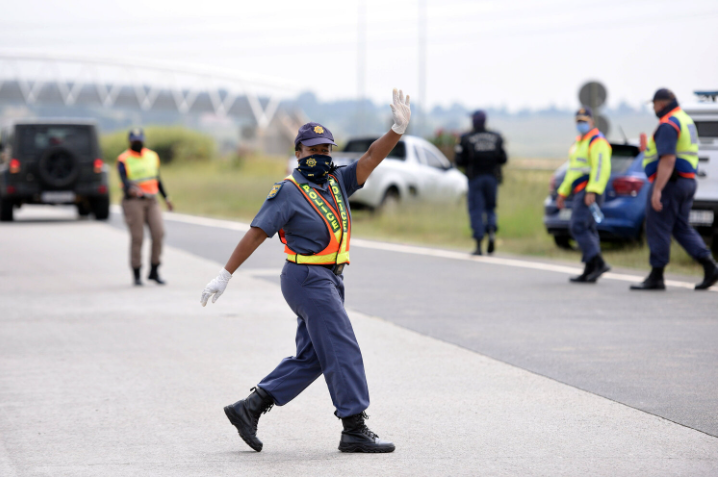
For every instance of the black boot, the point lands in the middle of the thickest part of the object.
(136, 272)
(155, 275)
(492, 241)
(710, 273)
(245, 415)
(477, 251)
(598, 268)
(587, 269)
(357, 438)
(654, 281)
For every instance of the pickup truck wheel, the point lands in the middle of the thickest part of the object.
(101, 207)
(6, 210)
(391, 200)
(563, 241)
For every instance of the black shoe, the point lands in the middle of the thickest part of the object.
(357, 438)
(654, 281)
(244, 415)
(136, 273)
(710, 273)
(477, 251)
(492, 240)
(587, 269)
(155, 275)
(599, 267)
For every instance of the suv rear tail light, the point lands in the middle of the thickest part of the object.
(98, 166)
(14, 166)
(627, 186)
(11, 189)
(643, 142)
(102, 189)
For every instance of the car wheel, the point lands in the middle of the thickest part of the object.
(390, 201)
(6, 210)
(563, 242)
(101, 207)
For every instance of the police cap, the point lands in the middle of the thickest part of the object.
(312, 134)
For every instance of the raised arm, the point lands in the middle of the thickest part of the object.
(380, 148)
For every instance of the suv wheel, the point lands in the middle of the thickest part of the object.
(563, 241)
(6, 210)
(83, 209)
(58, 167)
(101, 207)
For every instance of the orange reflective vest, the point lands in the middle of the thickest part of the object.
(142, 169)
(335, 217)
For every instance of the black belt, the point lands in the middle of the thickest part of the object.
(337, 269)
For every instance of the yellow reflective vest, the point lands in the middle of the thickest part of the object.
(589, 165)
(686, 147)
(142, 169)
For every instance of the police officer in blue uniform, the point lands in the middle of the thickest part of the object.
(310, 212)
(480, 153)
(671, 161)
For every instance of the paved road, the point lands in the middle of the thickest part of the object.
(100, 378)
(653, 351)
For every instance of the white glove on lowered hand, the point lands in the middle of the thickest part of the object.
(401, 111)
(215, 287)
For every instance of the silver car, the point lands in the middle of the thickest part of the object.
(414, 169)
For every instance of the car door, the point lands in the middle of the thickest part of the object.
(441, 185)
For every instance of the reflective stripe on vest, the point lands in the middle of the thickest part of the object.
(337, 221)
(142, 169)
(686, 147)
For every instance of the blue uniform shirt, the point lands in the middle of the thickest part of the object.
(305, 230)
(666, 138)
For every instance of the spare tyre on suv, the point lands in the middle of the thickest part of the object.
(53, 162)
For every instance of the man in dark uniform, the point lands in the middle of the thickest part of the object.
(480, 153)
(671, 161)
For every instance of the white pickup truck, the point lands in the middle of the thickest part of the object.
(415, 169)
(704, 216)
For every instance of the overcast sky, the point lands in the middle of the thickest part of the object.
(479, 53)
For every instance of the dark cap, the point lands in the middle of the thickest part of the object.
(137, 134)
(663, 94)
(584, 113)
(312, 134)
(478, 115)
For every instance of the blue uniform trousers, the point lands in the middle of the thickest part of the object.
(325, 342)
(677, 200)
(583, 226)
(482, 200)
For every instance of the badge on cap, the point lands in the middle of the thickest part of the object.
(318, 129)
(275, 190)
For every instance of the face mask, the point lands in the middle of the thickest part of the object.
(583, 127)
(315, 167)
(136, 146)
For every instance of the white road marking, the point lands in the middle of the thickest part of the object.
(423, 251)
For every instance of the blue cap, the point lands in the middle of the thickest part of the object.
(478, 115)
(137, 134)
(584, 113)
(663, 94)
(312, 134)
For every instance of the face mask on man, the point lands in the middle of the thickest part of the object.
(315, 167)
(583, 127)
(136, 146)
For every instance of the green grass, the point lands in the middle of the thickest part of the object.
(236, 190)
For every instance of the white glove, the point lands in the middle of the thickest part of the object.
(215, 287)
(401, 111)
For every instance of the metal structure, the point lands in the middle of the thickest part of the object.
(36, 79)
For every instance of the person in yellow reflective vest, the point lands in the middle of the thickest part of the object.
(139, 170)
(310, 212)
(671, 162)
(589, 167)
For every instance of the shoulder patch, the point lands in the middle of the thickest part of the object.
(275, 190)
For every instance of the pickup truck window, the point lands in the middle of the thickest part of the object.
(362, 145)
(433, 160)
(707, 129)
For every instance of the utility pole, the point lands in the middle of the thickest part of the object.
(361, 65)
(421, 124)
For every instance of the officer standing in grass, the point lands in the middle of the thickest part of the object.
(310, 212)
(481, 154)
(671, 162)
(589, 167)
(139, 170)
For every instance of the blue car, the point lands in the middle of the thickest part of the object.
(624, 204)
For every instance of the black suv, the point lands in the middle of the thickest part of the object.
(53, 162)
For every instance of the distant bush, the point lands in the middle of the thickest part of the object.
(445, 141)
(172, 143)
